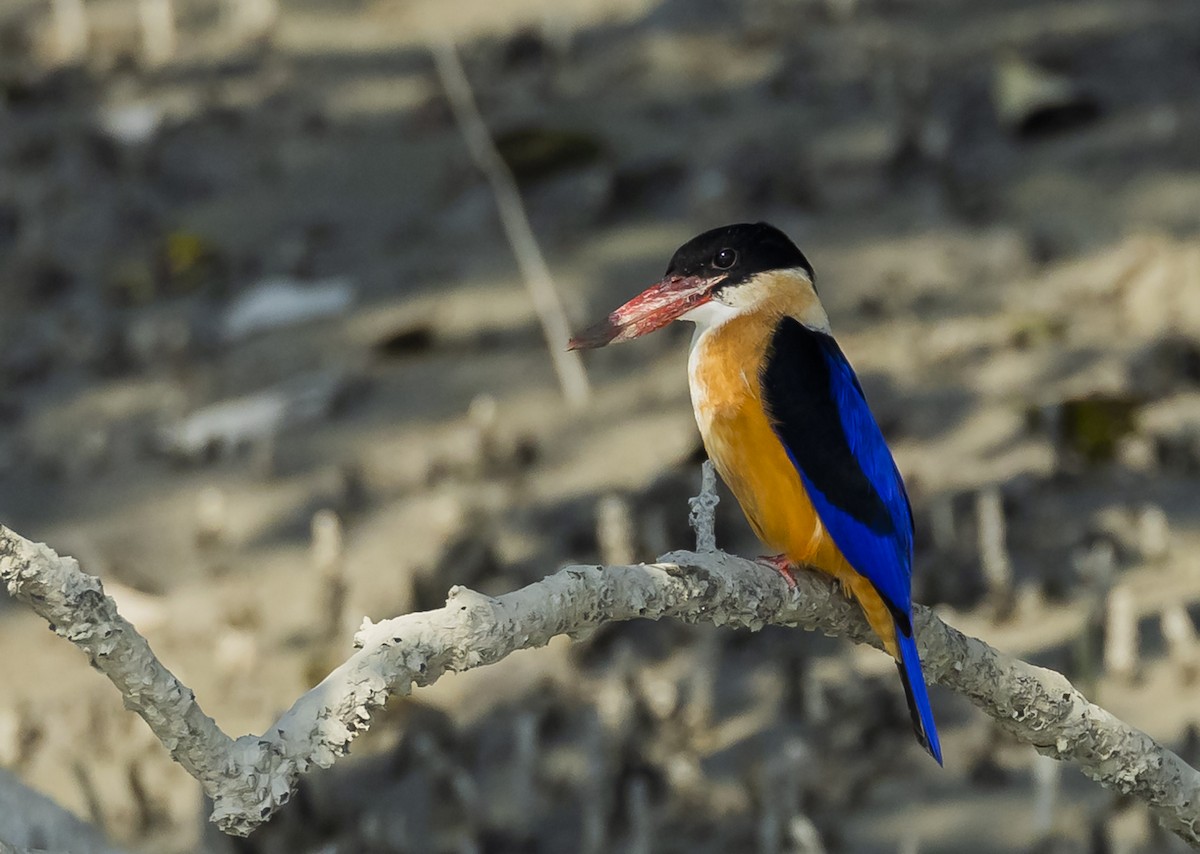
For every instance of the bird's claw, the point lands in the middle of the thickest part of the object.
(782, 565)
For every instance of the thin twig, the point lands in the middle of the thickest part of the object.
(1121, 634)
(248, 779)
(567, 364)
(993, 551)
(329, 560)
(1180, 633)
(614, 530)
(703, 514)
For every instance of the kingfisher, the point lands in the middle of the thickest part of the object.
(785, 421)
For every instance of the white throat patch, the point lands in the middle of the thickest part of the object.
(710, 315)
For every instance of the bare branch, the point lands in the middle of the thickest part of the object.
(75, 606)
(251, 777)
(567, 364)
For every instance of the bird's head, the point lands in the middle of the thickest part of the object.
(711, 278)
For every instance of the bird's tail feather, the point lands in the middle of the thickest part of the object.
(913, 678)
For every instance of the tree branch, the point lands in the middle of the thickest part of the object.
(568, 364)
(248, 779)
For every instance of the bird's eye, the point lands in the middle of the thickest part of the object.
(725, 259)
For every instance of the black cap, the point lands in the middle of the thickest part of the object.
(739, 251)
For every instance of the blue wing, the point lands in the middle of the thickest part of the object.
(821, 416)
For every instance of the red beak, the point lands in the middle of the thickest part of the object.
(652, 309)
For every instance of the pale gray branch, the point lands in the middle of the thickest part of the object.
(251, 777)
(703, 514)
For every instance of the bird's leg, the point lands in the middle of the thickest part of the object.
(782, 565)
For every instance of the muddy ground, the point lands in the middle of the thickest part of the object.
(1001, 200)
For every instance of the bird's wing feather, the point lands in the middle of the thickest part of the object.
(818, 411)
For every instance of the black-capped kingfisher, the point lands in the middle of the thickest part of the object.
(786, 424)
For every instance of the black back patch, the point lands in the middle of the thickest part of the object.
(800, 398)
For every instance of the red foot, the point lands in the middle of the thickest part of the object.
(782, 565)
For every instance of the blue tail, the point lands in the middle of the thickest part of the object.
(918, 697)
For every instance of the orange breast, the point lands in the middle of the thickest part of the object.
(727, 398)
(723, 373)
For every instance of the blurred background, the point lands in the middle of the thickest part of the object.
(267, 365)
